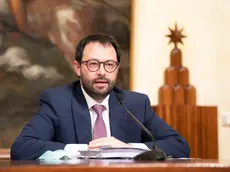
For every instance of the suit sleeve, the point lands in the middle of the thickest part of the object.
(36, 136)
(167, 139)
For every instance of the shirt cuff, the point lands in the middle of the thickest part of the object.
(139, 145)
(75, 147)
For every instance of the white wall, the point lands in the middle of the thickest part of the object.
(206, 52)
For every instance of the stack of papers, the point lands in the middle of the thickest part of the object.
(111, 152)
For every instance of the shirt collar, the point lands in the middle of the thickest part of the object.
(91, 102)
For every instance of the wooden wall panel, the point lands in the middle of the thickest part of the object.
(197, 124)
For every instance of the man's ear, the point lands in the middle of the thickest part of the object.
(77, 67)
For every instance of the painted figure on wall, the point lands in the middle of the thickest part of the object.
(37, 46)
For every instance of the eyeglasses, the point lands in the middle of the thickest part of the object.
(93, 65)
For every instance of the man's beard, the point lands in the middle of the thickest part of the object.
(96, 93)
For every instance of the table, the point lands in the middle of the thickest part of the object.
(119, 165)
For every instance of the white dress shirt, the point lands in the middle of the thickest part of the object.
(105, 115)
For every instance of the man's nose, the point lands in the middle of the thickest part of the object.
(101, 69)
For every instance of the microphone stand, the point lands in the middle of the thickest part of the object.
(155, 154)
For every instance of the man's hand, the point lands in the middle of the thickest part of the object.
(107, 141)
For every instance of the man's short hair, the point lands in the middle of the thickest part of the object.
(101, 38)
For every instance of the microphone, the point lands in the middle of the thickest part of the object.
(155, 154)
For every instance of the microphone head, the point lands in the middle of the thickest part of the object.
(119, 95)
(152, 155)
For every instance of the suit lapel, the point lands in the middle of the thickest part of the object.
(117, 118)
(81, 115)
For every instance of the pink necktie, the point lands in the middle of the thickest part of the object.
(99, 129)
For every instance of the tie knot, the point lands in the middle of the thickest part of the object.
(98, 109)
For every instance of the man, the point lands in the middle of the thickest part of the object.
(89, 111)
